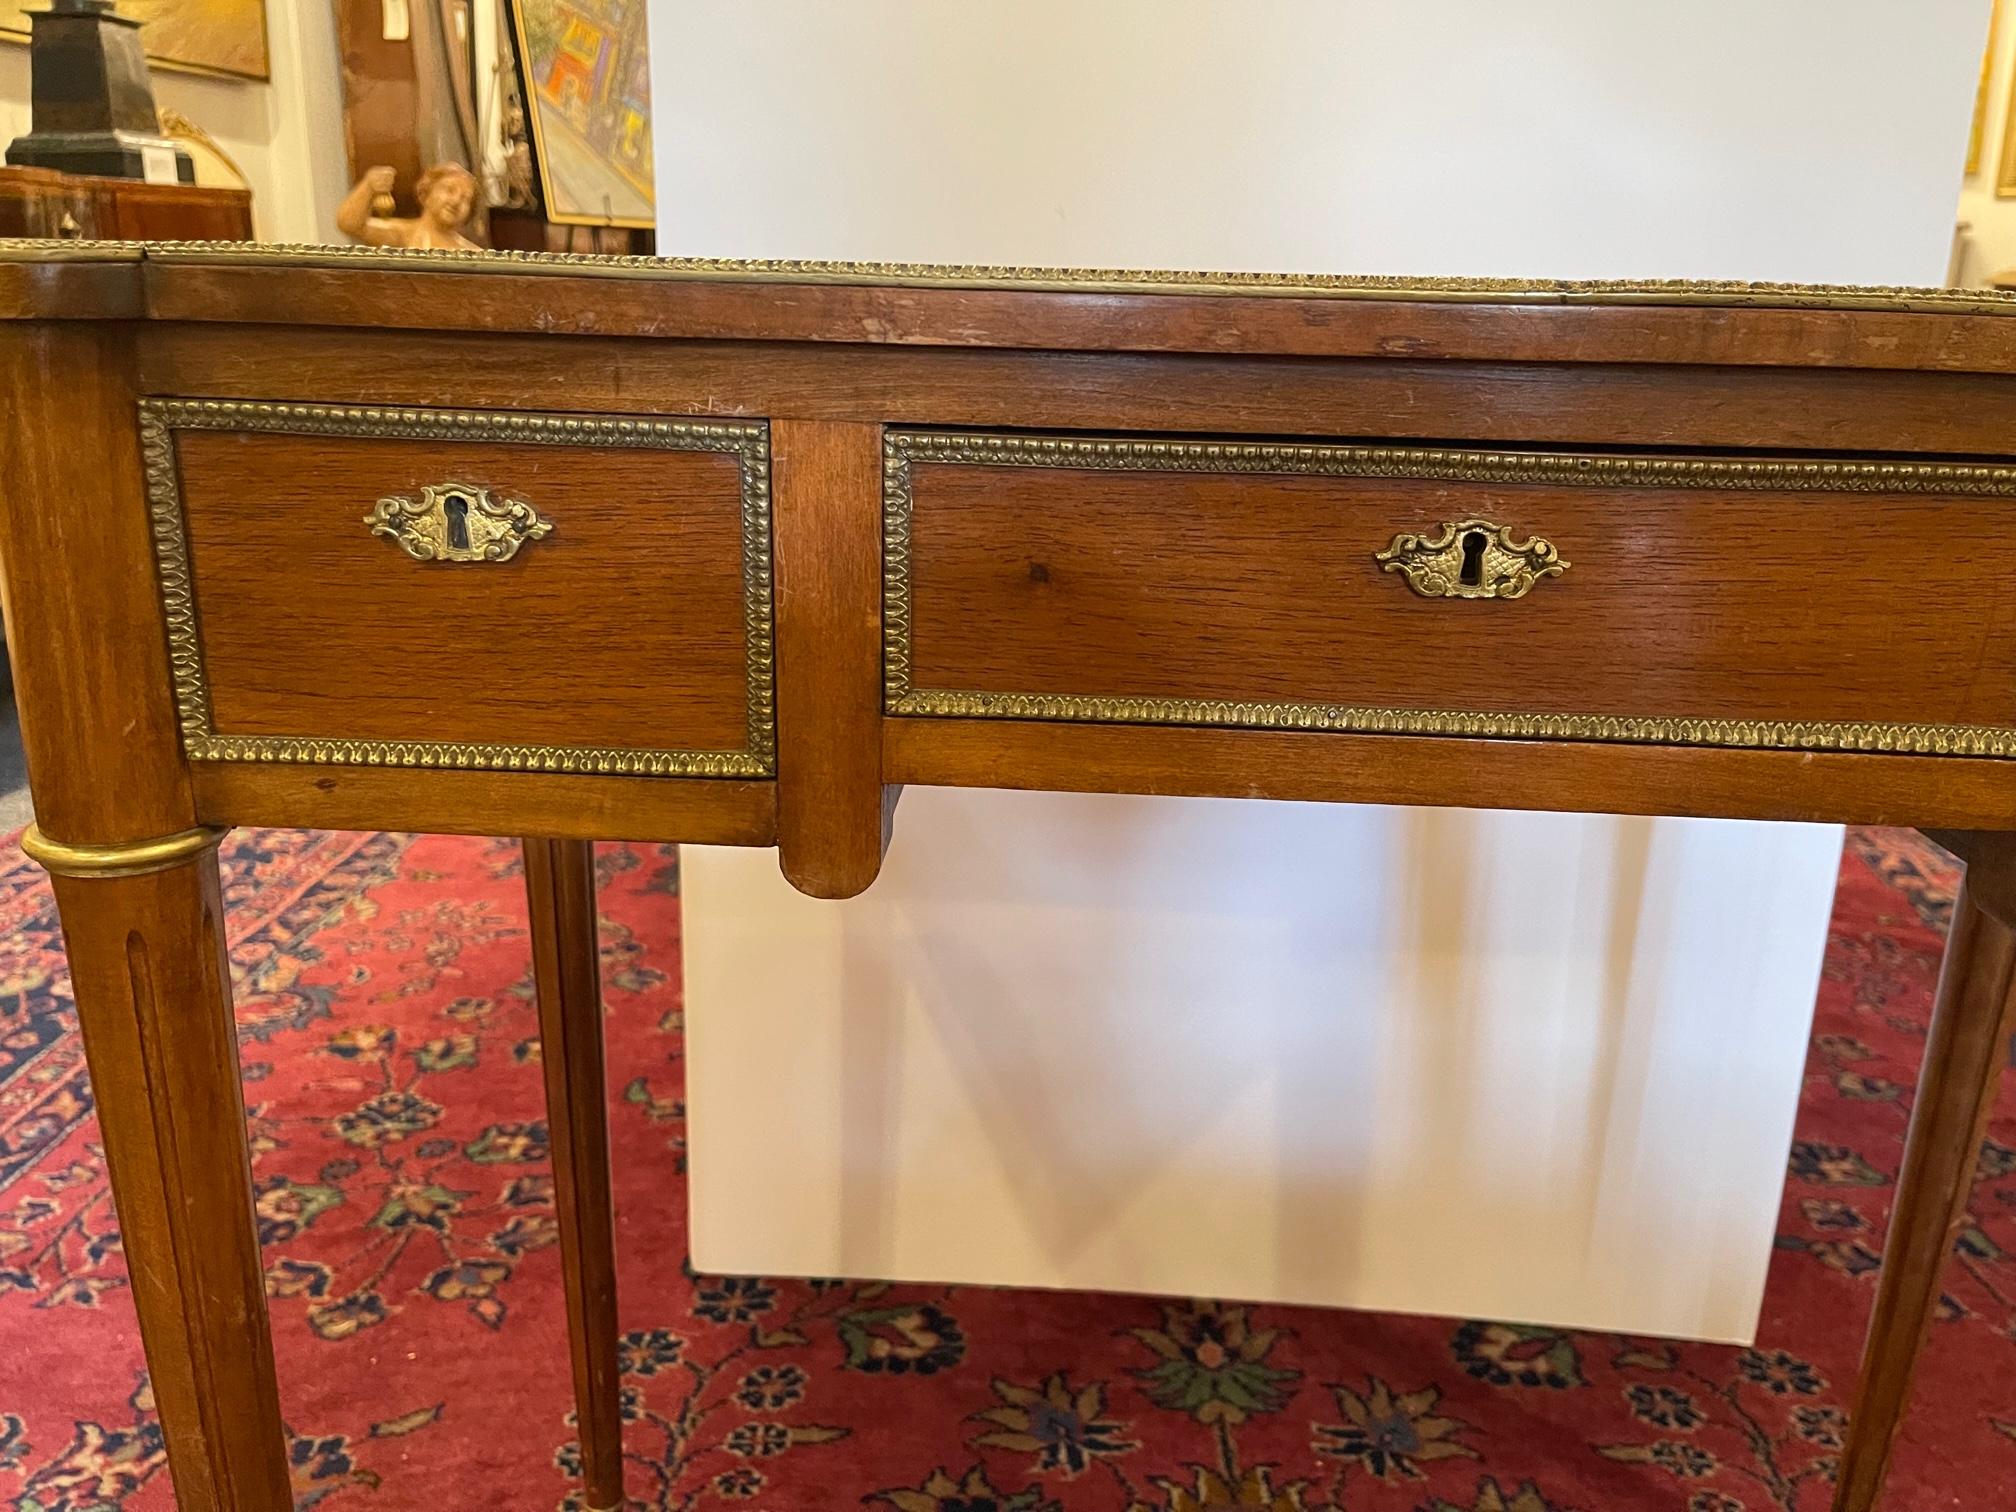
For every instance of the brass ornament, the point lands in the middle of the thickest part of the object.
(67, 249)
(1450, 464)
(748, 441)
(1519, 291)
(178, 127)
(1471, 559)
(131, 859)
(900, 449)
(1350, 719)
(458, 522)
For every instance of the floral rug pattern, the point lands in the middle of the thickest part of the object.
(406, 1208)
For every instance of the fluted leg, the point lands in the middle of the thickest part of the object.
(560, 882)
(153, 989)
(136, 881)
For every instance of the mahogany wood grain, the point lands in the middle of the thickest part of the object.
(1550, 403)
(827, 486)
(1819, 786)
(566, 968)
(94, 290)
(152, 981)
(1677, 602)
(624, 627)
(147, 955)
(1966, 1049)
(561, 806)
(134, 210)
(47, 203)
(77, 554)
(1068, 320)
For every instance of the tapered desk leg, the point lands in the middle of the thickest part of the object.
(137, 886)
(560, 882)
(153, 992)
(1972, 1019)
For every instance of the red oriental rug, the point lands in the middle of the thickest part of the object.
(403, 1192)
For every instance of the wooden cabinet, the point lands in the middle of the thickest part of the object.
(42, 203)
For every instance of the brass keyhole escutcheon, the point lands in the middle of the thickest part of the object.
(1472, 559)
(458, 522)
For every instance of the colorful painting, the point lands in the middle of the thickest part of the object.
(587, 70)
(193, 36)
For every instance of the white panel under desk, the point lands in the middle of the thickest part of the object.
(1523, 1066)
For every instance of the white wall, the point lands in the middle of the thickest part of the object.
(1991, 221)
(286, 134)
(1538, 1067)
(1737, 138)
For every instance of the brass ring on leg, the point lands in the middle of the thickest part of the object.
(132, 859)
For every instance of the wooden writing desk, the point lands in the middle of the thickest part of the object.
(726, 553)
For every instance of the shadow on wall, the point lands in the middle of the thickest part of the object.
(1419, 1060)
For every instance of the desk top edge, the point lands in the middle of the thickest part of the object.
(1327, 286)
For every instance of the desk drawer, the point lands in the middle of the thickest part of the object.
(443, 588)
(1809, 603)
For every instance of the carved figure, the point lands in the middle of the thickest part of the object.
(447, 195)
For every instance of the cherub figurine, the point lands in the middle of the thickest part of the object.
(447, 195)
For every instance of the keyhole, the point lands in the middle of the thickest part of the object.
(1474, 542)
(457, 510)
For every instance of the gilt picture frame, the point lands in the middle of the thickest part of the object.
(586, 67)
(221, 38)
(1977, 131)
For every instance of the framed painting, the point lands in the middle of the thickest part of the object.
(587, 71)
(222, 37)
(1979, 127)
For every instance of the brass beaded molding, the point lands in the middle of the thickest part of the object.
(1002, 276)
(160, 419)
(902, 448)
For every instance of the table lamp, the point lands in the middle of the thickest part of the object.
(93, 99)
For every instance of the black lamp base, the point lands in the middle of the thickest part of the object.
(107, 154)
(93, 100)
